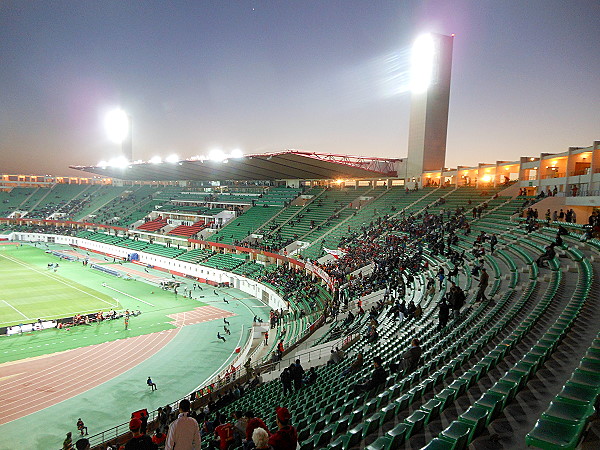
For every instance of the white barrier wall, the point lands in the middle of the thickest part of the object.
(251, 287)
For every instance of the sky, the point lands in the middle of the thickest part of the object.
(267, 75)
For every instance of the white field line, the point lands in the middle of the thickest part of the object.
(49, 275)
(128, 295)
(16, 310)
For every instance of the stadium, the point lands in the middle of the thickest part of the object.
(387, 303)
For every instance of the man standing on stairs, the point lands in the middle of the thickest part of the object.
(483, 284)
(493, 242)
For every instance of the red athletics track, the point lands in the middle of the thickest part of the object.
(34, 384)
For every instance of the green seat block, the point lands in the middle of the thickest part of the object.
(561, 411)
(402, 403)
(457, 434)
(345, 441)
(416, 421)
(493, 402)
(476, 418)
(446, 396)
(524, 367)
(577, 393)
(432, 407)
(415, 393)
(438, 444)
(371, 424)
(509, 390)
(459, 386)
(398, 434)
(382, 443)
(552, 435)
(322, 439)
(356, 433)
(308, 444)
(517, 377)
(387, 413)
(384, 398)
(590, 365)
(586, 378)
(341, 426)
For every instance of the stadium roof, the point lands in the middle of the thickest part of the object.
(288, 164)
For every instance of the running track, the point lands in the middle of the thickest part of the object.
(37, 383)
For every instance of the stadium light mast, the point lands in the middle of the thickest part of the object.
(118, 127)
(431, 62)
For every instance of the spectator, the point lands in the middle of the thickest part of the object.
(355, 366)
(139, 441)
(239, 427)
(286, 378)
(253, 424)
(81, 426)
(82, 444)
(68, 442)
(223, 433)
(261, 439)
(159, 437)
(412, 356)
(297, 374)
(286, 437)
(548, 255)
(377, 378)
(183, 432)
(444, 314)
(483, 284)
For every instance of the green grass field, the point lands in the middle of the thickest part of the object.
(30, 290)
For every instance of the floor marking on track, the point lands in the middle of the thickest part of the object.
(8, 304)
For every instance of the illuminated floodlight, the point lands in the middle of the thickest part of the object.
(116, 123)
(216, 155)
(155, 160)
(422, 59)
(119, 162)
(103, 164)
(486, 178)
(237, 153)
(172, 159)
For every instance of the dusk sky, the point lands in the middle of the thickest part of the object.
(324, 76)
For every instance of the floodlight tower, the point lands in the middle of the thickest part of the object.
(430, 85)
(118, 128)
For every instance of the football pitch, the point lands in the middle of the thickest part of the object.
(30, 290)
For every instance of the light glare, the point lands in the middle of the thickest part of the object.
(155, 160)
(422, 58)
(116, 123)
(216, 155)
(172, 159)
(119, 162)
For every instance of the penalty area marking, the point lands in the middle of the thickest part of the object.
(128, 295)
(28, 318)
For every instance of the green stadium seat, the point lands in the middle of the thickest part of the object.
(550, 435)
(457, 434)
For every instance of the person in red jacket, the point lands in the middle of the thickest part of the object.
(286, 438)
(253, 423)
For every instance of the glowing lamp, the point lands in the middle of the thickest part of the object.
(422, 60)
(116, 124)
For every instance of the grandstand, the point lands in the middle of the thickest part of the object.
(475, 373)
(469, 292)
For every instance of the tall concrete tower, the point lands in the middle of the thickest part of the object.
(430, 84)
